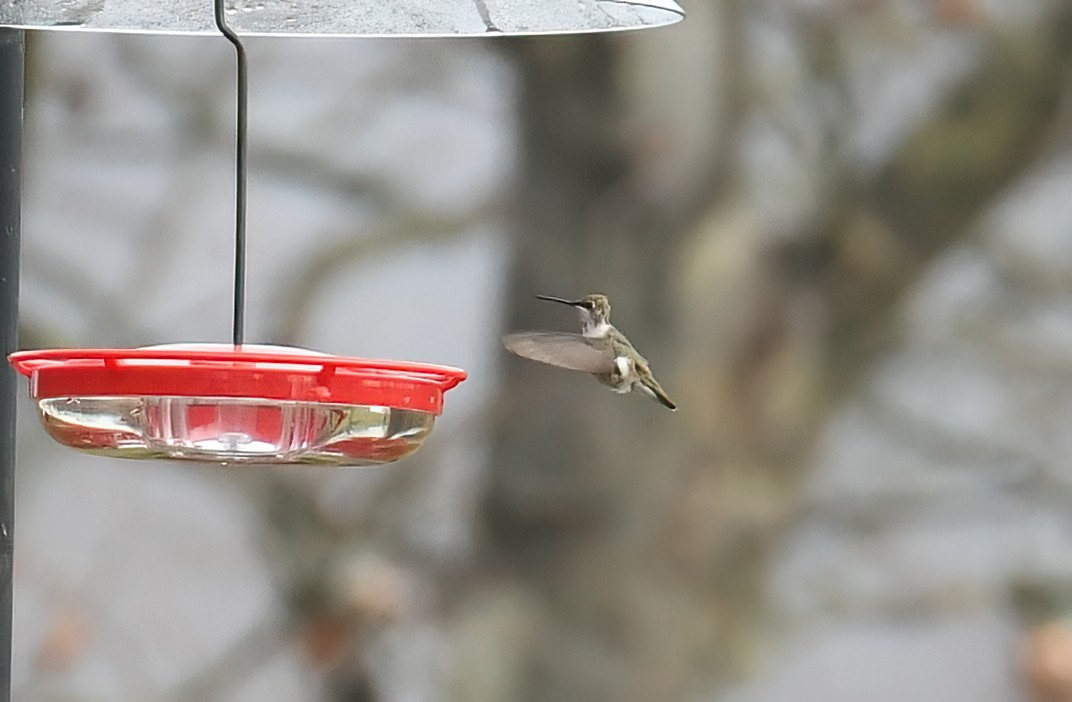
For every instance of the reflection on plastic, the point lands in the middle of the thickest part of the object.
(229, 430)
(345, 17)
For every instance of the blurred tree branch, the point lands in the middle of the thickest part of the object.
(400, 232)
(990, 128)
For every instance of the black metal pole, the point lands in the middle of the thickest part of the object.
(241, 100)
(12, 53)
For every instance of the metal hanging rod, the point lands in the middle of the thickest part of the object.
(241, 100)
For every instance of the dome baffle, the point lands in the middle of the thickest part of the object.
(345, 17)
(254, 404)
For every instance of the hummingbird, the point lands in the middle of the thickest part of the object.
(599, 349)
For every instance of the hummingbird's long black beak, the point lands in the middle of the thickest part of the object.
(574, 303)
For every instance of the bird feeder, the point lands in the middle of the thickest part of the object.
(217, 403)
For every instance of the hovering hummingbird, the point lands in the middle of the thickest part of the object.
(599, 349)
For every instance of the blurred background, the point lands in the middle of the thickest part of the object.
(840, 230)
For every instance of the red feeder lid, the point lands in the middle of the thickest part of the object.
(252, 371)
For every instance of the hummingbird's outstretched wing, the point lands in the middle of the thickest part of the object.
(571, 351)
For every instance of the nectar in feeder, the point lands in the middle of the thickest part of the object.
(221, 404)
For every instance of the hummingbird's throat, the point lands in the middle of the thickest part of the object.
(595, 330)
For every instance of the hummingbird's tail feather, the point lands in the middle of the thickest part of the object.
(652, 388)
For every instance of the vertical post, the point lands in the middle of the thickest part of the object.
(12, 53)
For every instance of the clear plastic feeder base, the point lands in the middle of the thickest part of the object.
(264, 405)
(224, 430)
